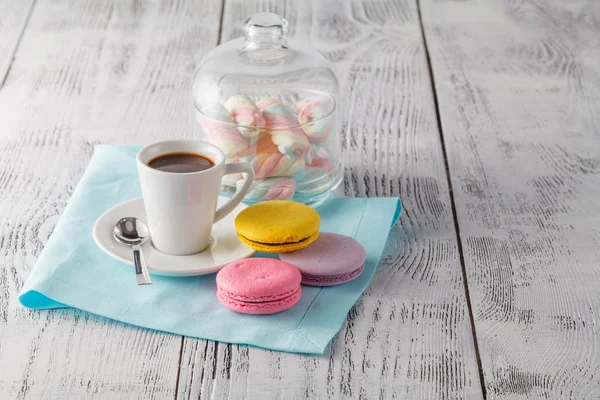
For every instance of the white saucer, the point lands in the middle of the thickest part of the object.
(225, 246)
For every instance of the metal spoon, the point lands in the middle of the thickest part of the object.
(133, 232)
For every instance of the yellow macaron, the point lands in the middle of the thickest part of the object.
(278, 226)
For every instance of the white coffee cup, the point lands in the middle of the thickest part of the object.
(181, 208)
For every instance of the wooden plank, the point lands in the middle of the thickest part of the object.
(409, 336)
(86, 72)
(519, 95)
(13, 19)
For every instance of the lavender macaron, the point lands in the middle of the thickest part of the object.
(332, 259)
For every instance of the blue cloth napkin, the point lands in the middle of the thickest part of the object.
(73, 272)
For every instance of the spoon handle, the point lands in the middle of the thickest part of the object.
(141, 270)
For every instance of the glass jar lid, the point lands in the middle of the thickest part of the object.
(264, 64)
(271, 102)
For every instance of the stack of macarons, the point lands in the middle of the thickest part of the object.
(267, 285)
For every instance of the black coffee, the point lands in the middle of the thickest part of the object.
(181, 162)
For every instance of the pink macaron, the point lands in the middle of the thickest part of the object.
(332, 259)
(258, 286)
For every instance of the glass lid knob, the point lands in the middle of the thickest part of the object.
(265, 42)
(265, 27)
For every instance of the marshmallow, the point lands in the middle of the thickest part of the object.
(244, 112)
(323, 163)
(308, 157)
(264, 102)
(270, 165)
(279, 114)
(217, 126)
(312, 116)
(262, 144)
(290, 141)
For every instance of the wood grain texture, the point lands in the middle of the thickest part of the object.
(409, 336)
(13, 19)
(86, 72)
(519, 95)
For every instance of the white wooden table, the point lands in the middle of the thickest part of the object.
(482, 115)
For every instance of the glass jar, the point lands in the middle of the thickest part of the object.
(272, 102)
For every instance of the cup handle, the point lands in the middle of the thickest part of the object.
(236, 168)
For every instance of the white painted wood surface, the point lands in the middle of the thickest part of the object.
(13, 18)
(409, 336)
(85, 72)
(518, 84)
